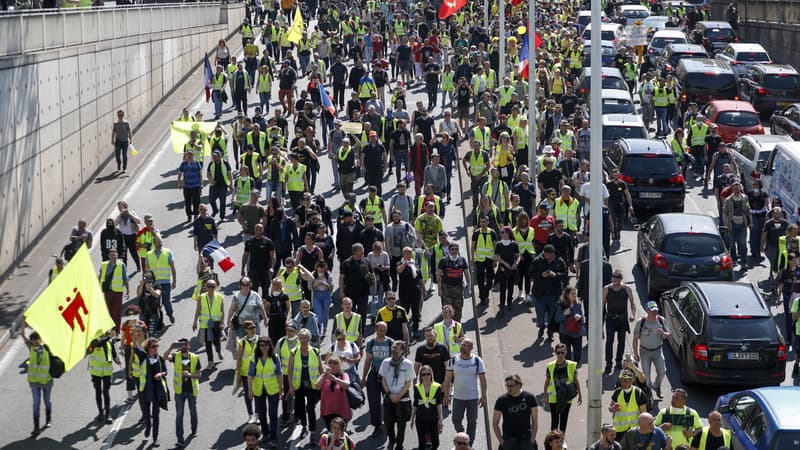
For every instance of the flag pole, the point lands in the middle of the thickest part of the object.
(532, 123)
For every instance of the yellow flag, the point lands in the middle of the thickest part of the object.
(72, 311)
(298, 28)
(180, 131)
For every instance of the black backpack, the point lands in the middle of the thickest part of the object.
(57, 367)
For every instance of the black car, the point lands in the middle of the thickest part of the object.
(717, 34)
(703, 80)
(786, 122)
(673, 248)
(770, 86)
(651, 171)
(673, 53)
(724, 333)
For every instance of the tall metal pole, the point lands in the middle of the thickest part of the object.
(487, 7)
(595, 376)
(532, 128)
(501, 42)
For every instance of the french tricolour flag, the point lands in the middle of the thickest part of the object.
(216, 252)
(208, 74)
(327, 103)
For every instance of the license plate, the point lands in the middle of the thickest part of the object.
(650, 195)
(743, 356)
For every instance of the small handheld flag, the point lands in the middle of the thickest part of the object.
(216, 251)
(209, 74)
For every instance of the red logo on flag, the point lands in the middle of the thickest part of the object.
(72, 312)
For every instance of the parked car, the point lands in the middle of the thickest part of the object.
(741, 56)
(619, 126)
(770, 86)
(654, 24)
(762, 418)
(617, 101)
(649, 168)
(703, 80)
(672, 248)
(632, 13)
(733, 118)
(612, 79)
(585, 18)
(608, 32)
(674, 53)
(786, 121)
(752, 150)
(660, 40)
(716, 34)
(780, 178)
(607, 53)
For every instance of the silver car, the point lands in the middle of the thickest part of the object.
(750, 149)
(741, 56)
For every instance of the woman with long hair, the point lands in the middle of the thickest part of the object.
(265, 384)
(572, 323)
(333, 385)
(507, 256)
(152, 386)
(426, 411)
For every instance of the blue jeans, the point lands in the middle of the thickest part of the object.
(661, 120)
(39, 391)
(322, 306)
(276, 187)
(166, 292)
(263, 402)
(218, 197)
(216, 97)
(738, 238)
(263, 101)
(121, 153)
(401, 157)
(304, 60)
(545, 304)
(180, 403)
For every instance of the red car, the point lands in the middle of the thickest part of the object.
(733, 118)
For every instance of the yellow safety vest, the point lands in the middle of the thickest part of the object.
(484, 248)
(295, 178)
(291, 284)
(476, 83)
(477, 163)
(576, 59)
(677, 149)
(275, 35)
(374, 207)
(399, 28)
(660, 98)
(505, 94)
(313, 366)
(566, 139)
(210, 310)
(628, 415)
(490, 80)
(159, 264)
(218, 81)
(117, 279)
(484, 136)
(265, 378)
(219, 143)
(427, 400)
(248, 354)
(501, 189)
(783, 252)
(39, 367)
(572, 367)
(100, 361)
(726, 438)
(447, 81)
(281, 170)
(136, 369)
(177, 383)
(353, 331)
(568, 213)
(421, 202)
(343, 153)
(213, 169)
(264, 83)
(284, 350)
(525, 244)
(143, 378)
(247, 31)
(144, 241)
(453, 346)
(244, 185)
(699, 132)
(255, 167)
(54, 273)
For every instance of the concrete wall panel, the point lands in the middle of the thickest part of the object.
(26, 101)
(49, 92)
(118, 67)
(90, 151)
(71, 160)
(52, 179)
(7, 91)
(70, 122)
(68, 84)
(49, 136)
(103, 72)
(87, 76)
(29, 186)
(9, 220)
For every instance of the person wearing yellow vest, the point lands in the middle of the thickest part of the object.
(264, 87)
(296, 180)
(566, 136)
(218, 81)
(152, 386)
(786, 243)
(523, 236)
(483, 240)
(713, 436)
(274, 174)
(185, 384)
(243, 186)
(265, 382)
(246, 31)
(39, 379)
(161, 262)
(245, 355)
(303, 382)
(679, 421)
(447, 85)
(477, 164)
(209, 317)
(661, 102)
(219, 176)
(429, 196)
(134, 335)
(679, 150)
(373, 206)
(645, 435)
(560, 375)
(627, 402)
(350, 322)
(449, 332)
(496, 190)
(566, 208)
(426, 411)
(144, 239)
(101, 355)
(505, 92)
(697, 140)
(55, 270)
(113, 279)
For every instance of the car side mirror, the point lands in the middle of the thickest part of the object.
(724, 409)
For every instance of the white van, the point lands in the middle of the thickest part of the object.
(781, 178)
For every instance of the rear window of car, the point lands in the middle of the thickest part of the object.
(614, 83)
(752, 57)
(738, 118)
(662, 42)
(735, 329)
(614, 132)
(719, 34)
(607, 35)
(688, 55)
(636, 13)
(711, 81)
(617, 106)
(782, 81)
(692, 244)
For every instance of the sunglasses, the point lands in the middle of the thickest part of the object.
(561, 353)
(511, 385)
(461, 442)
(425, 374)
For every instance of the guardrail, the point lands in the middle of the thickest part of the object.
(49, 29)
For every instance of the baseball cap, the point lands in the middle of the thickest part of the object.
(549, 248)
(651, 306)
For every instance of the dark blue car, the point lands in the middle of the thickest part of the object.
(763, 418)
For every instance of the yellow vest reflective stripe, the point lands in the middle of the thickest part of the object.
(699, 132)
(505, 94)
(525, 244)
(291, 284)
(265, 377)
(572, 367)
(313, 366)
(628, 415)
(451, 342)
(159, 264)
(210, 310)
(136, 369)
(248, 354)
(296, 175)
(427, 400)
(264, 83)
(568, 213)
(144, 241)
(100, 361)
(566, 139)
(117, 278)
(477, 163)
(447, 81)
(39, 367)
(218, 81)
(254, 165)
(247, 31)
(660, 98)
(213, 169)
(244, 185)
(373, 207)
(285, 350)
(484, 248)
(143, 377)
(351, 332)
(726, 438)
(177, 379)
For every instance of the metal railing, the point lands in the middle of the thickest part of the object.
(52, 29)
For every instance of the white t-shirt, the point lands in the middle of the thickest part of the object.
(586, 192)
(348, 352)
(465, 376)
(404, 372)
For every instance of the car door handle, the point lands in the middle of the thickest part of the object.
(682, 329)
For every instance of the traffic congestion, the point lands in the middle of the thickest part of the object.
(351, 235)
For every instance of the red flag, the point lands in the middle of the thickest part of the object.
(516, 2)
(523, 69)
(450, 7)
(537, 40)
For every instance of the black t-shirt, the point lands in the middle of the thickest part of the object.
(425, 126)
(401, 139)
(516, 413)
(355, 273)
(259, 250)
(463, 97)
(775, 229)
(712, 442)
(616, 193)
(432, 78)
(219, 172)
(403, 53)
(550, 179)
(373, 156)
(568, 103)
(506, 252)
(435, 357)
(395, 319)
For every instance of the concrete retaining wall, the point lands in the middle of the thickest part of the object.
(57, 111)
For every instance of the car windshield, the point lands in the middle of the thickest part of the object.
(782, 81)
(738, 118)
(662, 42)
(617, 106)
(752, 57)
(635, 13)
(646, 166)
(739, 329)
(689, 55)
(606, 35)
(718, 34)
(693, 244)
(613, 132)
(711, 81)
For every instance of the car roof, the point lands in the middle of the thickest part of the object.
(747, 47)
(606, 43)
(776, 68)
(622, 119)
(740, 299)
(645, 146)
(766, 142)
(715, 24)
(705, 65)
(686, 48)
(782, 403)
(633, 7)
(606, 26)
(669, 33)
(732, 105)
(686, 222)
(604, 72)
(616, 93)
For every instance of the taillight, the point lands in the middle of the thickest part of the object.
(733, 63)
(726, 263)
(626, 178)
(755, 175)
(683, 97)
(762, 91)
(677, 179)
(667, 67)
(659, 261)
(736, 97)
(701, 352)
(781, 356)
(583, 90)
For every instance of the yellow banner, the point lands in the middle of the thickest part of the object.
(180, 131)
(72, 311)
(298, 28)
